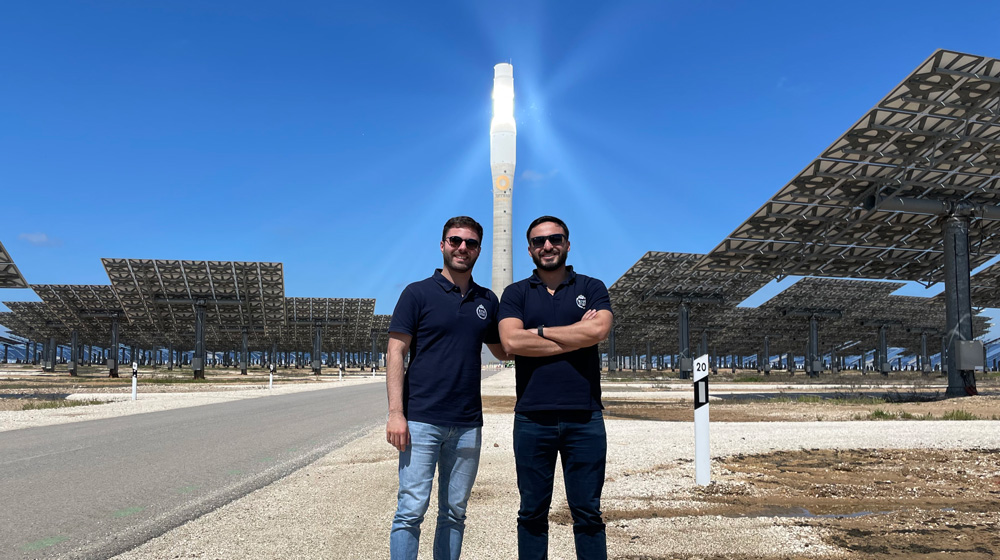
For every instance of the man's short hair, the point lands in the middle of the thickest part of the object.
(462, 222)
(544, 219)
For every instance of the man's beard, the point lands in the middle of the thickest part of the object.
(558, 263)
(450, 264)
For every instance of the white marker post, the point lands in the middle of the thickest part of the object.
(270, 381)
(702, 458)
(135, 378)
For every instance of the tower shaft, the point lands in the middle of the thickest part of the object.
(503, 156)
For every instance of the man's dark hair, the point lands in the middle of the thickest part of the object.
(544, 219)
(462, 222)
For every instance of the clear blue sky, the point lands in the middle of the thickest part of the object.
(337, 139)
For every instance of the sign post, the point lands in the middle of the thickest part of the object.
(702, 458)
(135, 377)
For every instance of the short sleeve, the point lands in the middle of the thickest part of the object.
(512, 302)
(598, 295)
(493, 331)
(407, 312)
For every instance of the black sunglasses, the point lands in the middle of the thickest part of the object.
(554, 239)
(456, 241)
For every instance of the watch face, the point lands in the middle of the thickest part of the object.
(502, 182)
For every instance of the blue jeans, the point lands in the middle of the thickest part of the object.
(456, 450)
(579, 438)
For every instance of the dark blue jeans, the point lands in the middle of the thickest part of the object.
(578, 437)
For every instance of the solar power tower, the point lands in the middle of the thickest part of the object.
(910, 192)
(503, 158)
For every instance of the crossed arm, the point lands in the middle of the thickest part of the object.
(588, 331)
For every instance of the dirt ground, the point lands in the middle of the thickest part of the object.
(928, 504)
(875, 504)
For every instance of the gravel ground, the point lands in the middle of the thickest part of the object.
(342, 505)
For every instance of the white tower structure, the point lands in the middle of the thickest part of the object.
(503, 149)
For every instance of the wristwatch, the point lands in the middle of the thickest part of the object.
(541, 331)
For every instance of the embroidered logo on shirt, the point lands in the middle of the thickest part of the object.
(581, 302)
(481, 312)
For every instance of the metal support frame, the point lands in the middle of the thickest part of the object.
(686, 365)
(767, 355)
(112, 361)
(74, 352)
(317, 363)
(49, 358)
(198, 359)
(649, 355)
(883, 350)
(612, 355)
(958, 301)
(244, 352)
(943, 362)
(925, 365)
(813, 367)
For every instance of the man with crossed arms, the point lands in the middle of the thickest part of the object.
(552, 323)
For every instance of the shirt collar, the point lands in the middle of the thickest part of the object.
(570, 277)
(447, 286)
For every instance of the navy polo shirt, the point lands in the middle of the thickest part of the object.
(442, 383)
(569, 381)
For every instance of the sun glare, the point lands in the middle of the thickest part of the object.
(503, 98)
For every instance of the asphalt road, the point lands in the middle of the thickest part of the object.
(97, 488)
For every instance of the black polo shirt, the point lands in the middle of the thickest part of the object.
(570, 381)
(442, 382)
